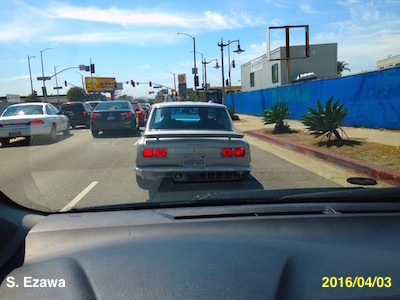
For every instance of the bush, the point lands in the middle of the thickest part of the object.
(232, 113)
(277, 113)
(326, 121)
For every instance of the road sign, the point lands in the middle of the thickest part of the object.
(181, 78)
(157, 86)
(57, 87)
(82, 67)
(44, 78)
(194, 71)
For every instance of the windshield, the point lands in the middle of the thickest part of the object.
(237, 99)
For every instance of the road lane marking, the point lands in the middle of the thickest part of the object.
(137, 142)
(79, 197)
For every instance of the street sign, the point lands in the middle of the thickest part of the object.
(57, 87)
(44, 78)
(82, 67)
(194, 71)
(157, 87)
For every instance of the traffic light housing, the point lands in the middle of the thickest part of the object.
(92, 68)
(65, 82)
(149, 83)
(133, 83)
(233, 63)
(227, 82)
(196, 80)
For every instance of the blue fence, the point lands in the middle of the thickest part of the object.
(372, 99)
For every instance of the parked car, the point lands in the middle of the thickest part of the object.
(113, 115)
(77, 112)
(191, 141)
(32, 119)
(93, 104)
(140, 112)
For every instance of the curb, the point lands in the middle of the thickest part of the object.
(370, 170)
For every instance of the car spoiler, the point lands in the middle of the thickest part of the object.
(190, 134)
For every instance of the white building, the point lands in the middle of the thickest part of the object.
(262, 73)
(389, 62)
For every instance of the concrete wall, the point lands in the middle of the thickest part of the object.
(372, 99)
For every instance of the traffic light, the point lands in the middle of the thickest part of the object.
(196, 80)
(133, 83)
(65, 82)
(149, 83)
(87, 68)
(233, 63)
(92, 68)
(227, 82)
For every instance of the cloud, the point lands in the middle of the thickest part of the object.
(305, 7)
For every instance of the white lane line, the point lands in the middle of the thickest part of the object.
(137, 142)
(79, 197)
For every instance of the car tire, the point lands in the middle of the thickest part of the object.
(5, 142)
(73, 126)
(52, 135)
(68, 130)
(95, 133)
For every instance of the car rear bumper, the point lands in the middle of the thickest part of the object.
(194, 174)
(19, 131)
(116, 125)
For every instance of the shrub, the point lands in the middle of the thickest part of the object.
(326, 121)
(277, 113)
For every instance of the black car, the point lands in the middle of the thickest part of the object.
(77, 112)
(113, 115)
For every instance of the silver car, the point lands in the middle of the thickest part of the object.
(191, 141)
(32, 119)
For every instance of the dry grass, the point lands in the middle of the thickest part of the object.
(359, 149)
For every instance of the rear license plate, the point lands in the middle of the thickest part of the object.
(14, 134)
(194, 161)
(110, 118)
(71, 114)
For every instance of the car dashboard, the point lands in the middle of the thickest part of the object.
(270, 251)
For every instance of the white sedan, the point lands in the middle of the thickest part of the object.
(191, 141)
(32, 119)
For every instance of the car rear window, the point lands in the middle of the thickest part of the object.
(190, 118)
(112, 105)
(72, 107)
(23, 110)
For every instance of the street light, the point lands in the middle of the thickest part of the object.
(58, 94)
(194, 71)
(238, 51)
(30, 73)
(174, 84)
(205, 75)
(44, 84)
(83, 86)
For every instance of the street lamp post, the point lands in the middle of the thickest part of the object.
(30, 73)
(58, 93)
(44, 81)
(205, 76)
(174, 84)
(238, 50)
(83, 85)
(194, 59)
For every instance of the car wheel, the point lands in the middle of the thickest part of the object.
(73, 126)
(52, 135)
(68, 130)
(95, 133)
(5, 142)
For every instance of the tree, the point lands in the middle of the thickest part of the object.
(277, 113)
(32, 98)
(326, 121)
(76, 94)
(342, 66)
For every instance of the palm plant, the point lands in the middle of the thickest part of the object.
(342, 66)
(326, 121)
(277, 113)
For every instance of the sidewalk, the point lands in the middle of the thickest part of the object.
(252, 124)
(379, 136)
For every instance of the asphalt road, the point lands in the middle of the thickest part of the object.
(78, 171)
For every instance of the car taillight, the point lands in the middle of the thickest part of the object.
(36, 122)
(226, 152)
(84, 113)
(93, 116)
(126, 114)
(139, 111)
(239, 152)
(154, 152)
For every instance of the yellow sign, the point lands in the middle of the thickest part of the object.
(182, 78)
(101, 84)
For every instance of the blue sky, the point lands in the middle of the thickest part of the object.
(132, 40)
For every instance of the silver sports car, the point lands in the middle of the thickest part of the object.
(32, 119)
(191, 141)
